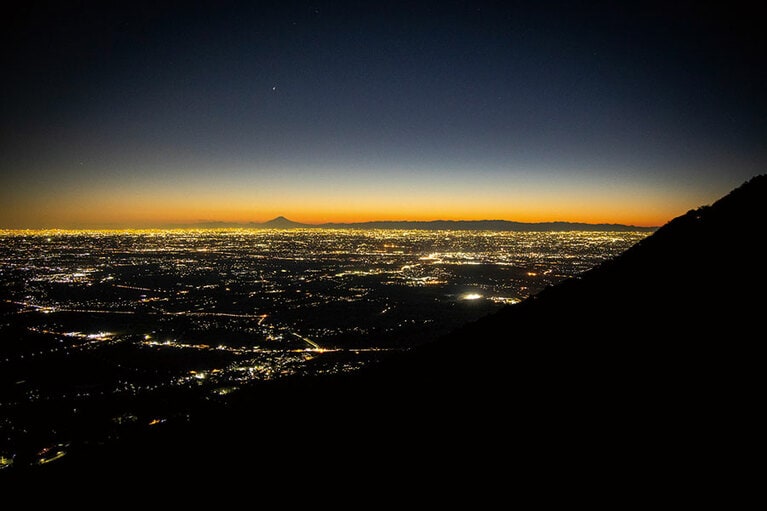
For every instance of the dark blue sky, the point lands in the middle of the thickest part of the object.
(141, 113)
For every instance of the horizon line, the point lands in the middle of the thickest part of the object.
(230, 224)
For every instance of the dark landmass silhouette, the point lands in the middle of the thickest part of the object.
(486, 225)
(639, 373)
(434, 225)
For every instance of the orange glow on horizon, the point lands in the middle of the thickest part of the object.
(117, 214)
(168, 205)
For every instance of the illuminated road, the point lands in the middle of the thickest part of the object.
(308, 341)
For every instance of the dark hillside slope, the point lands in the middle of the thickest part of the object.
(699, 279)
(674, 321)
(652, 355)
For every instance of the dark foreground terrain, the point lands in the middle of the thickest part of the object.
(642, 373)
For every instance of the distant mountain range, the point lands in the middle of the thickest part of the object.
(434, 225)
(640, 370)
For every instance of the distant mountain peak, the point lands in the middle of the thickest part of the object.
(281, 222)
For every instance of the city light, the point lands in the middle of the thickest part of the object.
(126, 317)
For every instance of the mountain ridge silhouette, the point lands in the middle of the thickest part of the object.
(282, 222)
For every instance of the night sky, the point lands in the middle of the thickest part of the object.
(154, 113)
